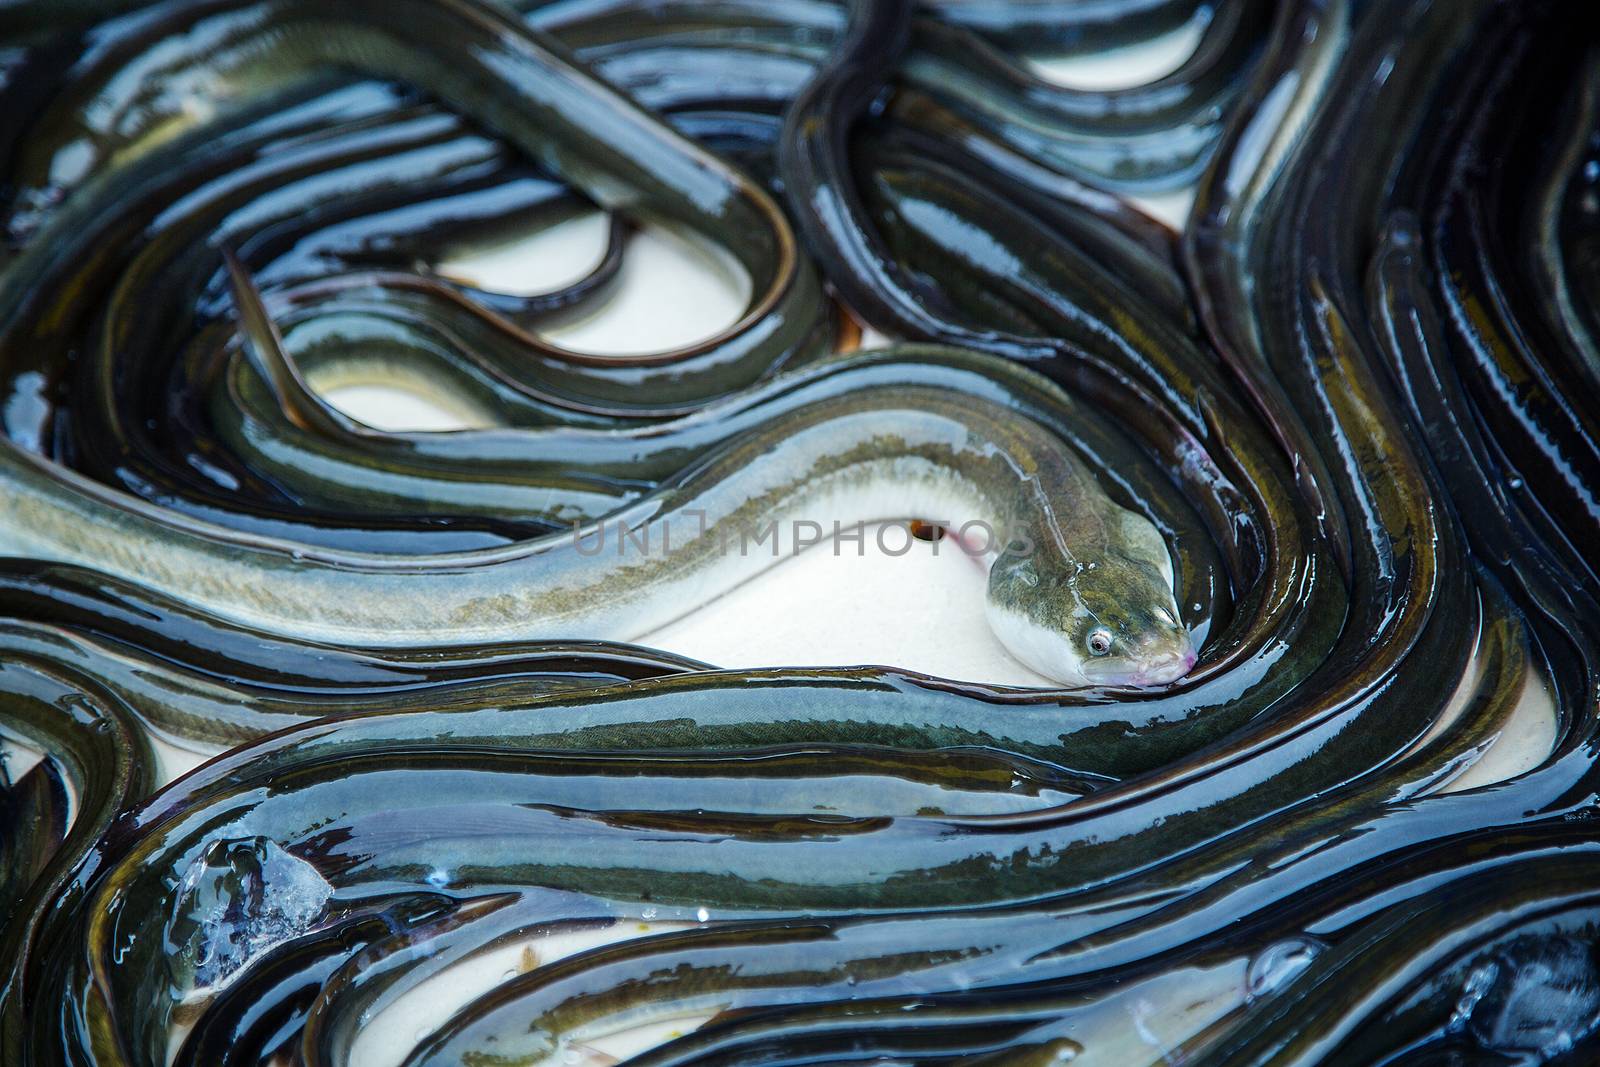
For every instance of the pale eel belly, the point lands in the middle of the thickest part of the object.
(1075, 580)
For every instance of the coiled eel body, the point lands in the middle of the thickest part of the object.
(1080, 588)
(1339, 431)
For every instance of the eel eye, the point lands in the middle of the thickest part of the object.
(1099, 642)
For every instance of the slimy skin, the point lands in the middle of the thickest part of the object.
(1103, 614)
(875, 455)
(882, 455)
(1105, 619)
(1080, 589)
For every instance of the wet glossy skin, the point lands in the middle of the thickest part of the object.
(1354, 400)
(1080, 589)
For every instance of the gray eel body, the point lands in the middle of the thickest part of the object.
(1067, 566)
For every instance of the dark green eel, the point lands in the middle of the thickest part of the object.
(1350, 407)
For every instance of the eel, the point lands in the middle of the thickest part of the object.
(1348, 401)
(1080, 589)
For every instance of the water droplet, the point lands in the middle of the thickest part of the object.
(571, 1056)
(1536, 994)
(1472, 991)
(648, 914)
(438, 878)
(240, 897)
(1514, 483)
(509, 974)
(1280, 963)
(703, 915)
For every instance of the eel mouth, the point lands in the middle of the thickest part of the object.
(1162, 660)
(1166, 669)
